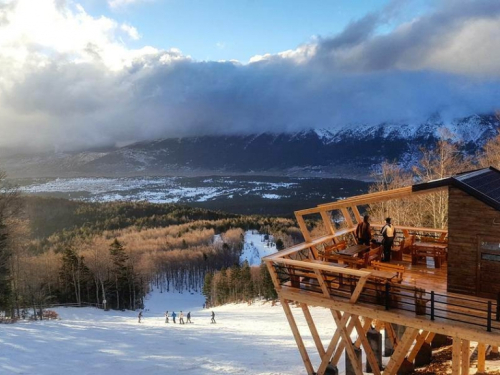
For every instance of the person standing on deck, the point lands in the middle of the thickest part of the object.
(364, 232)
(388, 234)
(166, 316)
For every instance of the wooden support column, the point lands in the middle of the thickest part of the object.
(357, 215)
(314, 331)
(333, 345)
(401, 351)
(303, 227)
(418, 344)
(348, 346)
(465, 362)
(456, 356)
(328, 222)
(298, 338)
(370, 356)
(273, 274)
(481, 357)
(430, 337)
(347, 217)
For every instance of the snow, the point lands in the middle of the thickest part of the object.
(255, 247)
(250, 340)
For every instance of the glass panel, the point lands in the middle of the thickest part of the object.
(488, 245)
(492, 257)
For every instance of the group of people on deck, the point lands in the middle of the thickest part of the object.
(364, 235)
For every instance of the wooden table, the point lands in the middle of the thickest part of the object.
(435, 250)
(354, 250)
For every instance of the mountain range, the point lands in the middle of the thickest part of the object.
(350, 151)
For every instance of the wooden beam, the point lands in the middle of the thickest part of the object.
(327, 222)
(324, 267)
(296, 248)
(481, 357)
(325, 360)
(274, 275)
(418, 344)
(389, 329)
(430, 337)
(347, 217)
(405, 318)
(314, 331)
(357, 215)
(366, 327)
(370, 356)
(400, 353)
(359, 288)
(303, 228)
(349, 347)
(465, 362)
(298, 338)
(340, 349)
(455, 356)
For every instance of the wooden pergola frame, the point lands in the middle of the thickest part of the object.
(347, 313)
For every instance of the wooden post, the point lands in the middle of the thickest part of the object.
(328, 222)
(455, 358)
(465, 357)
(303, 227)
(401, 351)
(481, 357)
(298, 338)
(357, 215)
(314, 331)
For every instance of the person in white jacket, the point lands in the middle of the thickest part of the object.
(181, 318)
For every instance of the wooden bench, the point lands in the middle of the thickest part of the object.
(399, 269)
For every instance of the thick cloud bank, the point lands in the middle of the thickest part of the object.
(68, 80)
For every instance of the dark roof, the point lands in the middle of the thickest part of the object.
(483, 184)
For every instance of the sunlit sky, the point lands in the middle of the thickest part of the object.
(89, 73)
(238, 29)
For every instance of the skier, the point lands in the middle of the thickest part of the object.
(181, 318)
(173, 316)
(213, 318)
(189, 318)
(140, 316)
(166, 316)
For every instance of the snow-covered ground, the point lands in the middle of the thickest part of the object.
(252, 339)
(255, 247)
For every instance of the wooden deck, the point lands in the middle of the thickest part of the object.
(424, 275)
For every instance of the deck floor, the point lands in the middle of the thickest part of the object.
(424, 275)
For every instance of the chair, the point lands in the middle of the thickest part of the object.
(372, 255)
(398, 268)
(397, 251)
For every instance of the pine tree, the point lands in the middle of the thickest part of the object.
(5, 277)
(246, 279)
(119, 272)
(207, 287)
(268, 290)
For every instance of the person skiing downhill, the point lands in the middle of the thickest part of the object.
(189, 318)
(173, 316)
(181, 318)
(166, 316)
(140, 316)
(213, 318)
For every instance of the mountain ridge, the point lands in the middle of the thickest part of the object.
(351, 151)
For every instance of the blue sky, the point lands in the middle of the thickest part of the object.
(240, 29)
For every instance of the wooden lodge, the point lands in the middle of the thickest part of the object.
(440, 282)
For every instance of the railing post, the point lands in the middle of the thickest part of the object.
(498, 307)
(488, 322)
(432, 305)
(387, 296)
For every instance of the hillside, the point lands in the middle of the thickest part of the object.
(346, 151)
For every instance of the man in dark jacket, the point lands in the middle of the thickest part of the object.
(364, 231)
(213, 318)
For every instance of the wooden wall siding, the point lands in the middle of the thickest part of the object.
(468, 220)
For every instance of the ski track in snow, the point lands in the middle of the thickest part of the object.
(255, 248)
(252, 339)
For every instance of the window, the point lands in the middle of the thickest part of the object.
(490, 245)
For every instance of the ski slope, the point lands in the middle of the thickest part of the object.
(255, 248)
(252, 339)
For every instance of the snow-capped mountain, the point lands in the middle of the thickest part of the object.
(350, 151)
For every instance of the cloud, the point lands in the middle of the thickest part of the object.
(115, 4)
(72, 82)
